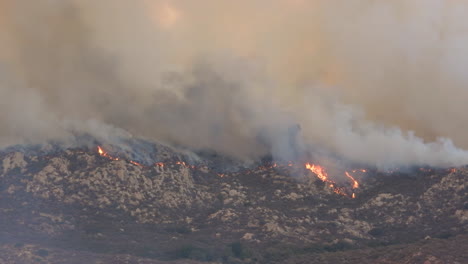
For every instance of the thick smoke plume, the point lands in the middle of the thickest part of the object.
(375, 82)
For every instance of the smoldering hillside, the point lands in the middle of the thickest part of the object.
(374, 82)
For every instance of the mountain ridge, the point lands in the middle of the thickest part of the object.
(82, 201)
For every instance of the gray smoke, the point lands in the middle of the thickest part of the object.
(380, 83)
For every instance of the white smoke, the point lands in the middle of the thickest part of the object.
(381, 83)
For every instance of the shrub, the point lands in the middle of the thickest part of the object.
(42, 253)
(239, 251)
(191, 252)
(444, 235)
(184, 251)
(340, 246)
(19, 245)
(376, 232)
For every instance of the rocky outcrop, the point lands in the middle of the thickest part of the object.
(119, 203)
(12, 161)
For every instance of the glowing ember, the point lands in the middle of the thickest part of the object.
(136, 163)
(360, 170)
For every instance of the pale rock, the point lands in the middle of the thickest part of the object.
(248, 236)
(13, 161)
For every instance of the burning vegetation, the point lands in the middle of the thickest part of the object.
(319, 171)
(168, 194)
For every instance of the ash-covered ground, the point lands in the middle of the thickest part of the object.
(87, 206)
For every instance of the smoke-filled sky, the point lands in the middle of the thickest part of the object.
(377, 82)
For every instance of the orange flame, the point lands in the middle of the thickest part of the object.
(355, 183)
(101, 152)
(322, 175)
(319, 171)
(136, 163)
(105, 154)
(316, 169)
